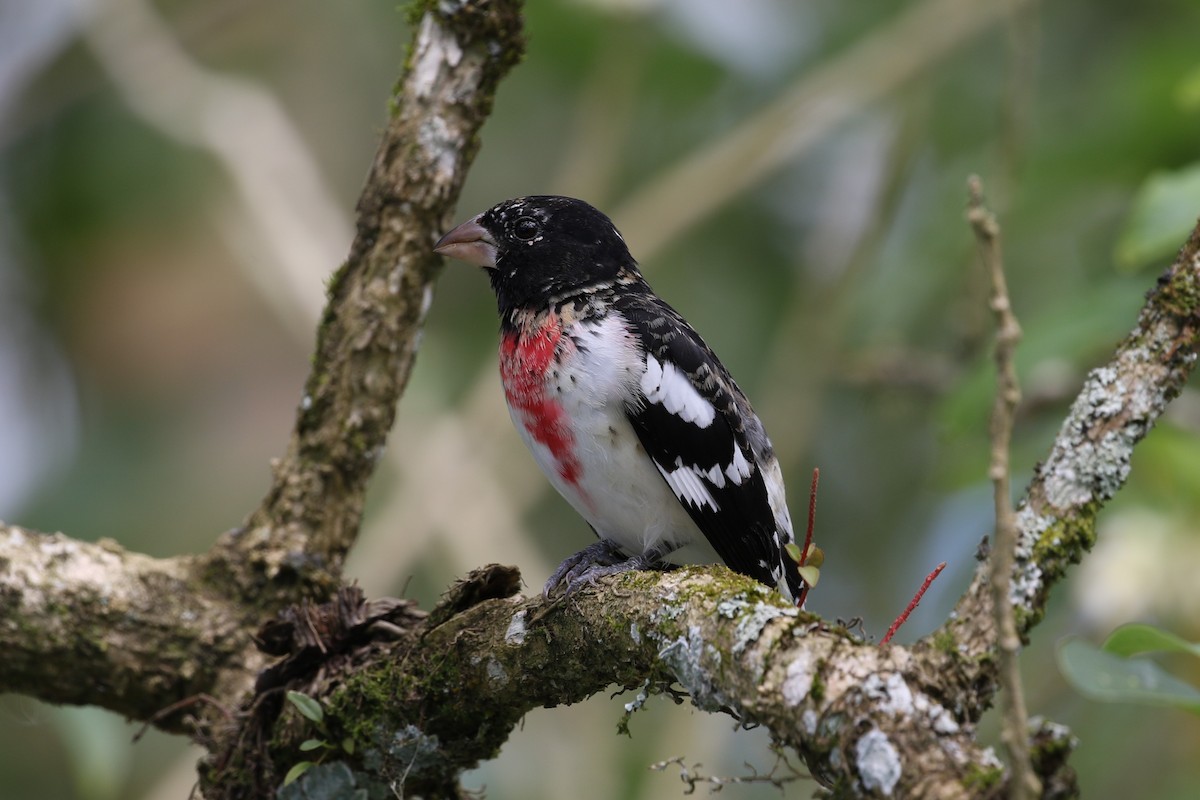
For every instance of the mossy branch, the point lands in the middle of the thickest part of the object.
(92, 623)
(447, 692)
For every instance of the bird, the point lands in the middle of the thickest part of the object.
(630, 415)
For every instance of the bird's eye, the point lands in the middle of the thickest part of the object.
(526, 228)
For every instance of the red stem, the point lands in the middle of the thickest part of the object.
(912, 604)
(808, 536)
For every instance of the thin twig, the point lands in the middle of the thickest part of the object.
(1025, 783)
(912, 604)
(691, 776)
(192, 700)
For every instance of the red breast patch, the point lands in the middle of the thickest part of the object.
(525, 359)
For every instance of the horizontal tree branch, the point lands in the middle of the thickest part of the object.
(865, 718)
(93, 623)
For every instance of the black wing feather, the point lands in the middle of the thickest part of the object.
(742, 528)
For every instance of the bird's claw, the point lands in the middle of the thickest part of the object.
(597, 560)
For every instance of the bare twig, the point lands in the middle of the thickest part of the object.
(1025, 782)
(691, 775)
(186, 702)
(812, 513)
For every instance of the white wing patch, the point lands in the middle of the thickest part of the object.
(686, 484)
(666, 385)
(738, 469)
(773, 478)
(715, 476)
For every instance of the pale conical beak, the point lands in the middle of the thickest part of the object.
(469, 242)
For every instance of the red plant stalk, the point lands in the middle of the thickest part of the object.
(808, 535)
(912, 604)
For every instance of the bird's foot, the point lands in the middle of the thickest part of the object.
(598, 560)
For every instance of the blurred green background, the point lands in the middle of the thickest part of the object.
(177, 180)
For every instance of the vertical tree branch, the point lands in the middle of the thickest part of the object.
(1025, 783)
(378, 300)
(96, 624)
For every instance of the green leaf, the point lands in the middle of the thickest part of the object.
(816, 556)
(312, 744)
(810, 574)
(1103, 676)
(1130, 640)
(307, 706)
(1187, 93)
(296, 771)
(348, 746)
(1164, 211)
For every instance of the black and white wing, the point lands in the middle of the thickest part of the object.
(709, 446)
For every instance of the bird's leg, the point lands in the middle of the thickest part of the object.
(598, 560)
(600, 553)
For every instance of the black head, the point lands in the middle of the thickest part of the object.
(541, 247)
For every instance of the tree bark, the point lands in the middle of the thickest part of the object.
(378, 299)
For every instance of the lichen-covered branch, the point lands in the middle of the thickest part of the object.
(92, 623)
(1089, 460)
(866, 719)
(1117, 406)
(378, 300)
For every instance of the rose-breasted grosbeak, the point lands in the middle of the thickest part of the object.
(628, 412)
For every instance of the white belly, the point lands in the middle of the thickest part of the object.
(616, 486)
